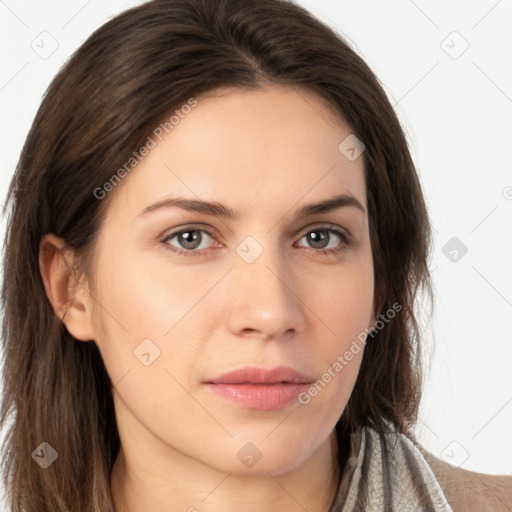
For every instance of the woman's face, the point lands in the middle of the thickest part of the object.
(272, 285)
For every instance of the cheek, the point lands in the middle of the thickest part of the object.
(139, 301)
(343, 305)
(344, 302)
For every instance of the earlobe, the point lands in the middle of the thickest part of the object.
(69, 298)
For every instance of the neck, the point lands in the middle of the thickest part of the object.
(169, 480)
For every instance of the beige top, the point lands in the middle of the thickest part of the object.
(373, 481)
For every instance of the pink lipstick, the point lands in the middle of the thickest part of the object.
(256, 388)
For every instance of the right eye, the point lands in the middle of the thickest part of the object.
(189, 241)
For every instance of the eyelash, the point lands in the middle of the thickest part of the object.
(346, 241)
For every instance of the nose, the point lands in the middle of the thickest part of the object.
(264, 298)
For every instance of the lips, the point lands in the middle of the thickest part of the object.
(257, 388)
(252, 375)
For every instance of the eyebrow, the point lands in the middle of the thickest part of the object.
(219, 210)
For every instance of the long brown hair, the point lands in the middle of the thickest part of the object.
(99, 109)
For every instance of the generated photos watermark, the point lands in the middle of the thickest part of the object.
(151, 142)
(343, 360)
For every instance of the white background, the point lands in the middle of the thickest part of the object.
(457, 112)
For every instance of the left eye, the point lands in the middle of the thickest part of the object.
(321, 238)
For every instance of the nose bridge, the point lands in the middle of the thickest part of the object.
(264, 296)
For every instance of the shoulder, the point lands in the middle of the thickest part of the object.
(468, 491)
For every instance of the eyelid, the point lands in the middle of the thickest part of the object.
(326, 226)
(190, 227)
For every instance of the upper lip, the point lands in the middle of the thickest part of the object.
(253, 375)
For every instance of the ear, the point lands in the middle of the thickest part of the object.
(373, 318)
(376, 311)
(372, 321)
(70, 299)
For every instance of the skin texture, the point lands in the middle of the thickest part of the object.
(264, 154)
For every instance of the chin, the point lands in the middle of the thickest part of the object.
(258, 455)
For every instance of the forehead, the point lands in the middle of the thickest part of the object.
(245, 148)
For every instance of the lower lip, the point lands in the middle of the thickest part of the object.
(265, 397)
